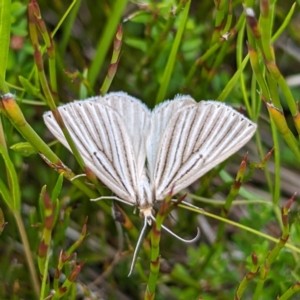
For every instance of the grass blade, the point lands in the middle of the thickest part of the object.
(172, 58)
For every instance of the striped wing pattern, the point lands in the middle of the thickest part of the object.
(141, 155)
(160, 117)
(136, 118)
(197, 138)
(106, 141)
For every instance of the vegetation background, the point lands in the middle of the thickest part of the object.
(55, 243)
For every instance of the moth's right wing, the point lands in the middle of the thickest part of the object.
(196, 139)
(101, 136)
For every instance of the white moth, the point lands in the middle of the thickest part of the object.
(141, 155)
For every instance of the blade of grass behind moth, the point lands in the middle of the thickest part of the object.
(32, 28)
(290, 292)
(51, 54)
(266, 22)
(284, 24)
(3, 89)
(105, 40)
(253, 37)
(68, 19)
(267, 94)
(248, 277)
(258, 79)
(234, 190)
(262, 37)
(239, 56)
(227, 37)
(281, 124)
(272, 67)
(41, 26)
(13, 181)
(220, 13)
(155, 250)
(219, 59)
(120, 216)
(219, 20)
(33, 11)
(199, 62)
(242, 227)
(5, 24)
(80, 239)
(154, 47)
(233, 81)
(277, 183)
(273, 254)
(165, 80)
(13, 197)
(275, 108)
(47, 208)
(112, 69)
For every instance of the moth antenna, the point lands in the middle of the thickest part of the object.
(138, 245)
(112, 198)
(178, 237)
(77, 176)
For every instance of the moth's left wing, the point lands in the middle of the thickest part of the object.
(136, 117)
(100, 135)
(196, 139)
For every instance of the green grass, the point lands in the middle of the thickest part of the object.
(53, 238)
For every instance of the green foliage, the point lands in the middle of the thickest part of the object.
(248, 249)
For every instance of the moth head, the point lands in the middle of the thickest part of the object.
(147, 213)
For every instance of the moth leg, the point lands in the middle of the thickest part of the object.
(138, 244)
(178, 237)
(112, 198)
(82, 175)
(77, 176)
